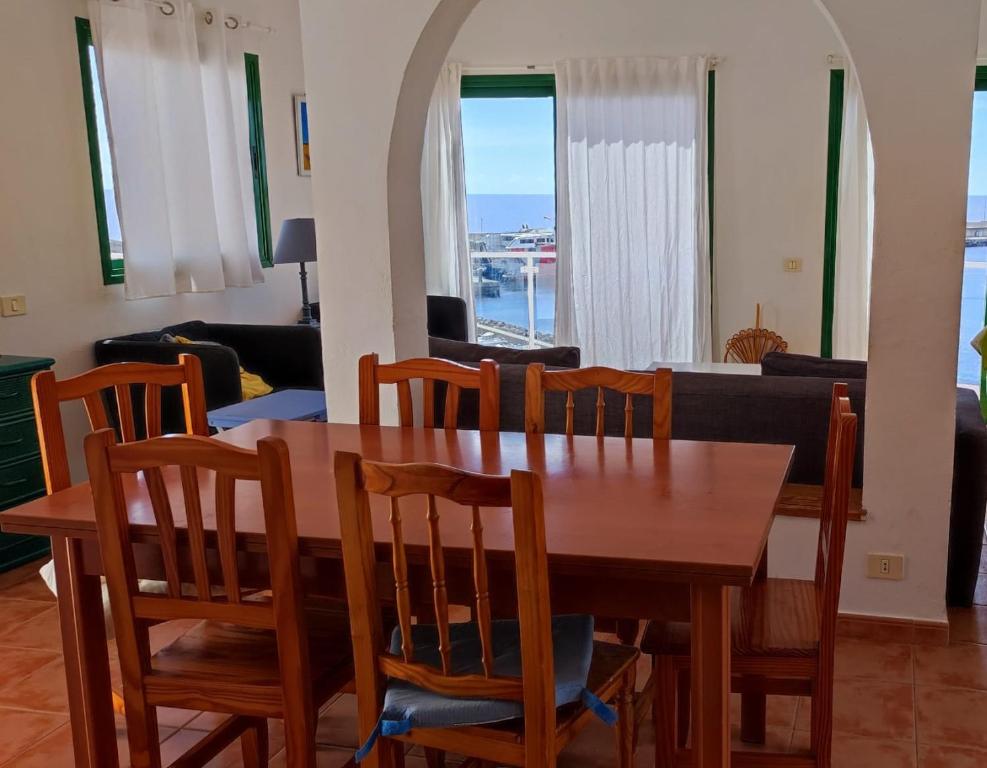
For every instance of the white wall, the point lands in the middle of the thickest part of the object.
(48, 241)
(772, 98)
(915, 59)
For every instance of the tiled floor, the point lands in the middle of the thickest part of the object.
(896, 705)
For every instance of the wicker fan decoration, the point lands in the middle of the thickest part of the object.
(752, 344)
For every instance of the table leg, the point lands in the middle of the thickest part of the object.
(87, 670)
(754, 706)
(710, 676)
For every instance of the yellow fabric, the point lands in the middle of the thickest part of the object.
(251, 385)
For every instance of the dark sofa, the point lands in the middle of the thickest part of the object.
(787, 404)
(285, 356)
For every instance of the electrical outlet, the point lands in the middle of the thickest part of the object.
(793, 265)
(12, 306)
(884, 566)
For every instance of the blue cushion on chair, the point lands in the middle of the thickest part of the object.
(408, 706)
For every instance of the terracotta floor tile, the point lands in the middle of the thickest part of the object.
(968, 625)
(17, 611)
(889, 662)
(960, 665)
(55, 750)
(18, 663)
(44, 690)
(951, 716)
(337, 724)
(20, 730)
(41, 631)
(940, 756)
(33, 588)
(855, 752)
(871, 709)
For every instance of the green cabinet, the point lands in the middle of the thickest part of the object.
(22, 477)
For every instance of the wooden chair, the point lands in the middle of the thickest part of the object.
(783, 630)
(752, 344)
(657, 385)
(49, 393)
(456, 377)
(533, 739)
(250, 657)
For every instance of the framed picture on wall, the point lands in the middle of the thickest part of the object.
(301, 135)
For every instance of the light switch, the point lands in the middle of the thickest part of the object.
(12, 306)
(793, 265)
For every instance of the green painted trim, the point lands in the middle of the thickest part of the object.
(507, 86)
(112, 269)
(258, 160)
(836, 86)
(980, 83)
(710, 163)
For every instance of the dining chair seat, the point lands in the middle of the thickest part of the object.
(772, 618)
(213, 655)
(407, 705)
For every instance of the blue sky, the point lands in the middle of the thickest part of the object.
(509, 146)
(978, 152)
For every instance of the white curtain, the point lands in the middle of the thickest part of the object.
(854, 229)
(633, 283)
(447, 256)
(175, 94)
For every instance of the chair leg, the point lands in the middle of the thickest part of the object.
(753, 715)
(435, 758)
(142, 734)
(821, 736)
(254, 745)
(626, 720)
(664, 711)
(684, 706)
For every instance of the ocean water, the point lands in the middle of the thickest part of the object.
(509, 213)
(972, 313)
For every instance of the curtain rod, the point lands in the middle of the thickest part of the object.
(167, 8)
(714, 62)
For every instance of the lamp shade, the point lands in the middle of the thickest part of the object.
(296, 243)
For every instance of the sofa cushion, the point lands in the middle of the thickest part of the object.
(786, 364)
(464, 352)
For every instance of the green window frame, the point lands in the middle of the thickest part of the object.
(543, 84)
(837, 79)
(258, 160)
(112, 268)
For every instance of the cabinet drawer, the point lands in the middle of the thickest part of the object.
(20, 481)
(15, 395)
(18, 439)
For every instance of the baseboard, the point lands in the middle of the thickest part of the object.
(885, 629)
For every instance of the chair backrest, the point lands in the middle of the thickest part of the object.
(841, 451)
(429, 370)
(656, 384)
(49, 393)
(356, 480)
(195, 468)
(752, 344)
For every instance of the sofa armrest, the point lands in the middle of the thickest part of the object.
(220, 366)
(966, 518)
(283, 355)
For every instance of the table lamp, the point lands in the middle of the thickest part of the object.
(296, 245)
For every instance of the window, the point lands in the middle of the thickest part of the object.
(509, 154)
(101, 159)
(973, 312)
(836, 83)
(104, 187)
(258, 160)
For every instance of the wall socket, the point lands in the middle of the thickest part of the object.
(793, 265)
(12, 306)
(884, 566)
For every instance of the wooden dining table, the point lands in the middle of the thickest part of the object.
(635, 528)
